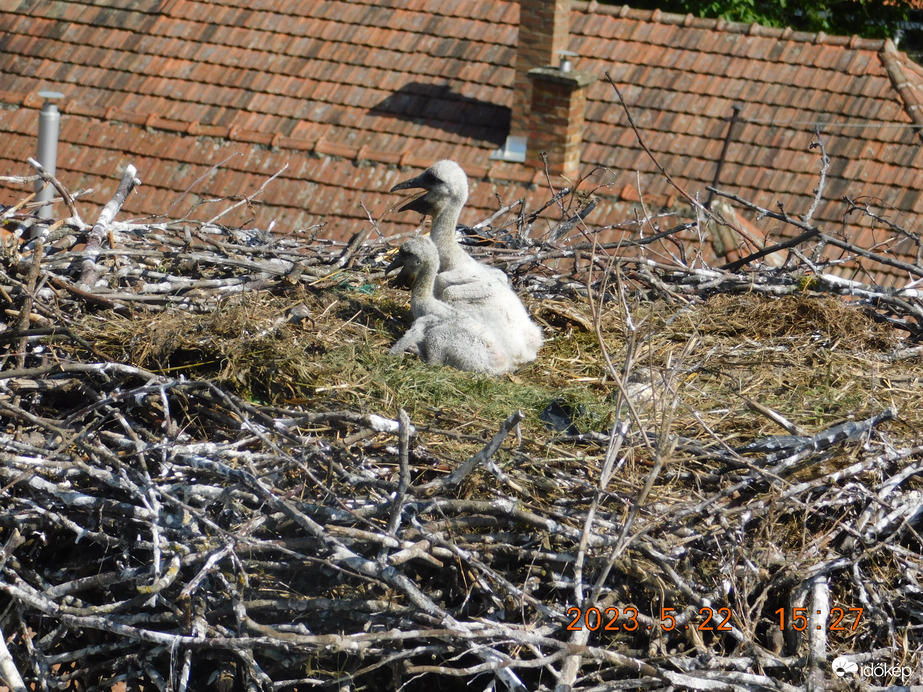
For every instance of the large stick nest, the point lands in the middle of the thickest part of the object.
(214, 476)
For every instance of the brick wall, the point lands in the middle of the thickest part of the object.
(556, 119)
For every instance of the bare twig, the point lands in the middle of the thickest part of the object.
(248, 199)
(98, 233)
(65, 195)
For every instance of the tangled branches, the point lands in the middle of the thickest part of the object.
(167, 531)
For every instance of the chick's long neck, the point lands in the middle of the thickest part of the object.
(451, 254)
(422, 291)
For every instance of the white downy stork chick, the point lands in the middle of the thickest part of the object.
(443, 334)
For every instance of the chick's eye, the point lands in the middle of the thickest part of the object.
(429, 179)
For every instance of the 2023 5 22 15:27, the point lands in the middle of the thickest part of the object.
(613, 619)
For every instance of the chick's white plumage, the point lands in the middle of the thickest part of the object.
(444, 334)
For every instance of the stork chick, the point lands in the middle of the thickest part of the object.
(443, 334)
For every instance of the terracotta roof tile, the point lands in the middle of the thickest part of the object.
(322, 85)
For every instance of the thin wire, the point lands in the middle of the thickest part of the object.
(827, 124)
(823, 124)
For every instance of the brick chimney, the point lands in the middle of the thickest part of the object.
(544, 32)
(556, 119)
(549, 99)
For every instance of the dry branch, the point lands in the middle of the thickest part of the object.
(98, 233)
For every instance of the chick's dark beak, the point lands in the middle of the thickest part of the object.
(417, 202)
(406, 277)
(411, 184)
(398, 262)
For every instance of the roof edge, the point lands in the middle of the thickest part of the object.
(659, 17)
(908, 89)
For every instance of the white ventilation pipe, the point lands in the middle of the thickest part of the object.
(48, 121)
(566, 65)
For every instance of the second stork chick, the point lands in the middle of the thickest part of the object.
(443, 334)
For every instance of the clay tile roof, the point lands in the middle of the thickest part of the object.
(344, 92)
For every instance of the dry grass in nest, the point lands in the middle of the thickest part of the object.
(825, 318)
(815, 360)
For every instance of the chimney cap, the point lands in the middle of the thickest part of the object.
(51, 95)
(549, 73)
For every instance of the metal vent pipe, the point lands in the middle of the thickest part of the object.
(48, 121)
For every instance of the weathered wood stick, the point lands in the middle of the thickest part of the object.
(98, 233)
